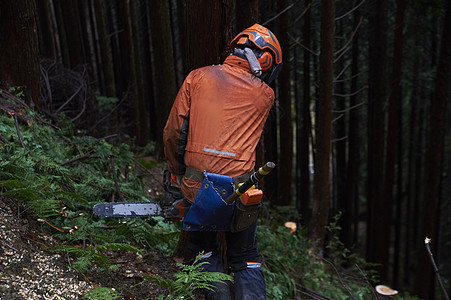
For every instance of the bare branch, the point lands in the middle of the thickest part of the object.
(311, 293)
(349, 12)
(147, 171)
(71, 97)
(339, 139)
(337, 118)
(367, 281)
(45, 76)
(345, 47)
(115, 180)
(279, 14)
(341, 72)
(16, 121)
(110, 112)
(66, 90)
(348, 78)
(87, 155)
(339, 277)
(17, 108)
(349, 108)
(9, 246)
(301, 15)
(351, 94)
(300, 44)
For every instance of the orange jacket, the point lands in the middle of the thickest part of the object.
(216, 122)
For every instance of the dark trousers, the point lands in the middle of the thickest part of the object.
(243, 260)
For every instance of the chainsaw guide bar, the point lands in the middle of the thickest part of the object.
(128, 209)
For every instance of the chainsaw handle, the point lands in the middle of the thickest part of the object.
(253, 179)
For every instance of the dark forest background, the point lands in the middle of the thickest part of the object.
(361, 124)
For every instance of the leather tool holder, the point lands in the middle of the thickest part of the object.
(246, 214)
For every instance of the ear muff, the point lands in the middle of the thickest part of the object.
(275, 72)
(266, 61)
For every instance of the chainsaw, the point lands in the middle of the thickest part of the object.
(171, 208)
(139, 209)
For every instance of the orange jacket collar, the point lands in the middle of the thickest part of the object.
(236, 61)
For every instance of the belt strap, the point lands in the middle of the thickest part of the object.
(193, 174)
(198, 176)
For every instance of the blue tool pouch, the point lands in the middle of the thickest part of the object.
(209, 211)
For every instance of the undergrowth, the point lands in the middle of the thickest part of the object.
(95, 255)
(103, 293)
(60, 174)
(292, 267)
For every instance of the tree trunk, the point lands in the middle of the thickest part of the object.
(285, 117)
(113, 31)
(414, 180)
(321, 180)
(378, 212)
(270, 136)
(47, 46)
(208, 32)
(164, 67)
(393, 134)
(182, 38)
(62, 35)
(207, 26)
(350, 220)
(128, 114)
(74, 33)
(106, 64)
(89, 39)
(433, 164)
(19, 62)
(305, 127)
(247, 13)
(340, 140)
(141, 116)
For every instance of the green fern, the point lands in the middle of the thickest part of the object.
(154, 231)
(42, 204)
(191, 278)
(94, 255)
(46, 177)
(102, 293)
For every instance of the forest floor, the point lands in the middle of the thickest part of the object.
(29, 269)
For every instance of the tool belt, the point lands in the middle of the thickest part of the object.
(210, 212)
(199, 176)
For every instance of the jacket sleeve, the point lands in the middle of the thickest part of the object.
(175, 134)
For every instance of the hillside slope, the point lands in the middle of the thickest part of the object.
(31, 270)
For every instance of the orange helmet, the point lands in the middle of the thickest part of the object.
(265, 44)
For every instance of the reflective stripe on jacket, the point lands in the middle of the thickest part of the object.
(216, 121)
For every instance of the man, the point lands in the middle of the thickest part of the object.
(214, 126)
